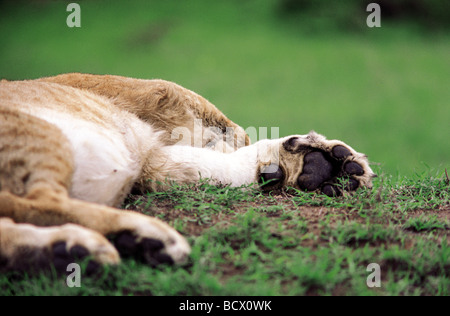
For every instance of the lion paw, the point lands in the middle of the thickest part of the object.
(313, 163)
(149, 240)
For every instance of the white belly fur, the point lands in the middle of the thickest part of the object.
(105, 162)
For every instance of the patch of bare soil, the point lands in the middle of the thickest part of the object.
(195, 225)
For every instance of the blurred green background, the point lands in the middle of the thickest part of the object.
(294, 64)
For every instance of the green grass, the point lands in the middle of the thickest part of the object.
(251, 243)
(425, 223)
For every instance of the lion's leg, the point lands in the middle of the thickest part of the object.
(133, 234)
(35, 174)
(183, 115)
(27, 247)
(305, 162)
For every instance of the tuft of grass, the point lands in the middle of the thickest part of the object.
(426, 223)
(355, 234)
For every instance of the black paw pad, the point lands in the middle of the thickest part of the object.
(60, 249)
(316, 170)
(147, 250)
(79, 252)
(151, 245)
(62, 258)
(341, 152)
(157, 259)
(353, 168)
(331, 190)
(93, 267)
(352, 185)
(126, 244)
(272, 174)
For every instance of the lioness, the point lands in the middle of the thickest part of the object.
(73, 146)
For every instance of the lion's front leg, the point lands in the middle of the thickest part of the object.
(305, 162)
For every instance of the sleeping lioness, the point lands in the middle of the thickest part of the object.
(72, 147)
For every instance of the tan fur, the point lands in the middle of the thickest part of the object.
(73, 146)
(164, 104)
(36, 163)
